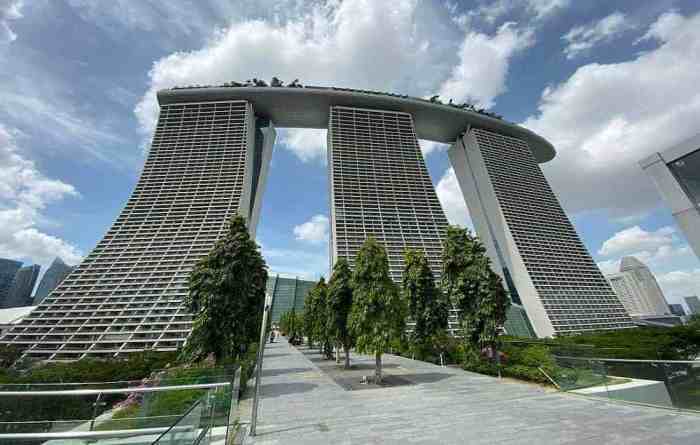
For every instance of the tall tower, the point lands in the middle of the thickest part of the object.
(529, 238)
(207, 162)
(20, 293)
(637, 288)
(52, 277)
(380, 187)
(8, 270)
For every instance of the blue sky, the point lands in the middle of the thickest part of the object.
(608, 82)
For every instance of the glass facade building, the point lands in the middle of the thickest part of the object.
(8, 270)
(676, 173)
(20, 293)
(693, 304)
(287, 294)
(56, 273)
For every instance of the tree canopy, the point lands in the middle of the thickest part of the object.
(428, 308)
(226, 296)
(339, 306)
(471, 284)
(378, 312)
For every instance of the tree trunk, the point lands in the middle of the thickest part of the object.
(378, 368)
(347, 357)
(337, 353)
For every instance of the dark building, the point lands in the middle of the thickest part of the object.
(53, 276)
(22, 286)
(677, 309)
(693, 303)
(8, 270)
(287, 294)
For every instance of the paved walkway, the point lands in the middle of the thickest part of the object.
(301, 405)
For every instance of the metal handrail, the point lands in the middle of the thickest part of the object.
(137, 381)
(630, 360)
(87, 392)
(87, 434)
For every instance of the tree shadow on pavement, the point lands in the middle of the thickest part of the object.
(283, 371)
(269, 390)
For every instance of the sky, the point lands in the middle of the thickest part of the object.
(607, 82)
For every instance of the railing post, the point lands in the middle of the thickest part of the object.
(94, 410)
(258, 372)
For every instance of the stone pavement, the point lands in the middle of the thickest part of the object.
(302, 405)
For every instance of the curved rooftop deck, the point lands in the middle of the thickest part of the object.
(307, 107)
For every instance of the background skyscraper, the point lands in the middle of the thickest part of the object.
(20, 293)
(8, 270)
(638, 289)
(52, 277)
(693, 303)
(677, 309)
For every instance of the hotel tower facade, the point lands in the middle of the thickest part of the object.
(208, 162)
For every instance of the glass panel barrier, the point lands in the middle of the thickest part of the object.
(186, 430)
(667, 384)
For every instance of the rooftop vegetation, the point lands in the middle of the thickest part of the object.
(277, 83)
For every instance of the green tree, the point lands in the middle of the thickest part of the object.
(290, 325)
(477, 291)
(226, 296)
(309, 317)
(378, 312)
(339, 305)
(427, 306)
(316, 317)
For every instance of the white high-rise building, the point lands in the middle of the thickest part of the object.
(637, 289)
(529, 238)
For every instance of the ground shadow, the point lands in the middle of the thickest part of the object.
(366, 366)
(283, 371)
(270, 390)
(275, 355)
(426, 377)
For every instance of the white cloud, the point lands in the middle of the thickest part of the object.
(356, 43)
(452, 201)
(581, 39)
(315, 230)
(9, 10)
(61, 121)
(24, 193)
(297, 262)
(428, 147)
(481, 82)
(543, 9)
(491, 11)
(680, 283)
(307, 144)
(609, 266)
(635, 239)
(605, 118)
(159, 18)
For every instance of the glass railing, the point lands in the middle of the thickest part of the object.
(591, 371)
(94, 410)
(670, 384)
(186, 430)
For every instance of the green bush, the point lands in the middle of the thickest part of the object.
(133, 367)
